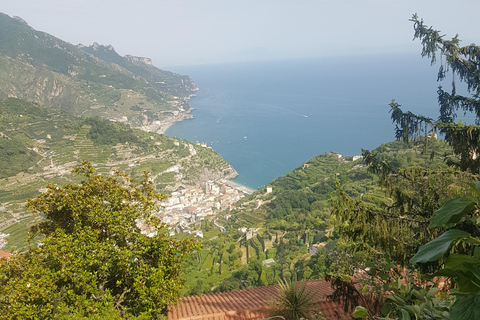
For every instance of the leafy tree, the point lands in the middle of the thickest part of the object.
(449, 236)
(400, 224)
(393, 230)
(464, 65)
(93, 253)
(408, 296)
(457, 247)
(460, 215)
(109, 133)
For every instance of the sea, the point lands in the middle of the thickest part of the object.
(268, 117)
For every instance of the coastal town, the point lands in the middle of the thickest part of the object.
(186, 207)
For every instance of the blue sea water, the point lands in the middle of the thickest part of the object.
(267, 118)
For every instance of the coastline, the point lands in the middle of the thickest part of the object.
(162, 126)
(183, 113)
(237, 185)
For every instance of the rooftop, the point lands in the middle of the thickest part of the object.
(248, 304)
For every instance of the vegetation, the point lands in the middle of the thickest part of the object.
(40, 146)
(459, 216)
(292, 224)
(94, 254)
(293, 302)
(88, 81)
(430, 208)
(332, 215)
(104, 132)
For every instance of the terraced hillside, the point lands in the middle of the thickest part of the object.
(40, 146)
(290, 221)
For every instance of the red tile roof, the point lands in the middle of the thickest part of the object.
(4, 254)
(248, 304)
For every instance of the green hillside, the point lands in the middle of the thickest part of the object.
(40, 68)
(40, 146)
(165, 81)
(286, 223)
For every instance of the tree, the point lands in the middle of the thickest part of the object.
(449, 236)
(94, 253)
(464, 63)
(460, 215)
(412, 194)
(394, 230)
(457, 248)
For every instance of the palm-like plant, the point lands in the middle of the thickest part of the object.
(293, 301)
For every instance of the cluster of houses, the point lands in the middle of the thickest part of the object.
(3, 239)
(185, 207)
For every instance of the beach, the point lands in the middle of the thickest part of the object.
(238, 186)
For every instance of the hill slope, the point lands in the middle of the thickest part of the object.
(40, 146)
(92, 81)
(291, 223)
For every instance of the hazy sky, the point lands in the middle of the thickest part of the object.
(173, 32)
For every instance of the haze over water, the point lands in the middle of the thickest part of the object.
(267, 118)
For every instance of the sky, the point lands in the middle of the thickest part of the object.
(183, 32)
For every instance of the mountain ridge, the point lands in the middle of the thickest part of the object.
(43, 69)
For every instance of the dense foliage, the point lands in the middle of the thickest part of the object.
(39, 146)
(394, 229)
(435, 209)
(104, 132)
(94, 254)
(459, 216)
(292, 224)
(463, 63)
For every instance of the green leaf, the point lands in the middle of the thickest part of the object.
(345, 277)
(455, 261)
(466, 307)
(405, 315)
(360, 312)
(475, 186)
(476, 252)
(436, 248)
(387, 307)
(365, 288)
(432, 292)
(446, 273)
(452, 211)
(417, 309)
(468, 278)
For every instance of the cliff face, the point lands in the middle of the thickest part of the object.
(138, 60)
(175, 84)
(92, 81)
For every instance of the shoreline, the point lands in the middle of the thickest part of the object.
(163, 125)
(170, 122)
(237, 185)
(167, 123)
